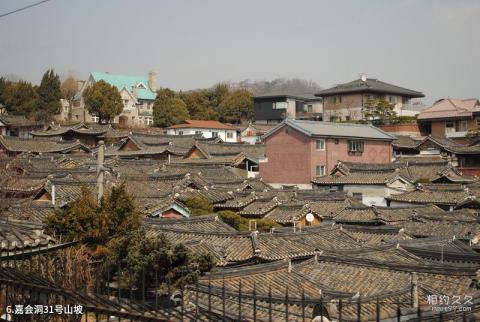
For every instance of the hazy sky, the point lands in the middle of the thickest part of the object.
(430, 46)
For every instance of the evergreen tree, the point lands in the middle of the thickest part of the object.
(169, 111)
(20, 98)
(104, 100)
(199, 206)
(49, 94)
(236, 107)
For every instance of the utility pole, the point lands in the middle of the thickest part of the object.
(100, 169)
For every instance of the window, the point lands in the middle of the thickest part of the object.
(392, 99)
(198, 132)
(229, 135)
(180, 132)
(320, 170)
(214, 134)
(355, 146)
(95, 119)
(449, 126)
(280, 105)
(309, 108)
(462, 126)
(320, 144)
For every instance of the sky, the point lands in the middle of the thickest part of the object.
(424, 45)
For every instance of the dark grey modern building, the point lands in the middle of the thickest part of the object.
(273, 108)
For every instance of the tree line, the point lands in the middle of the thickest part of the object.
(221, 102)
(37, 102)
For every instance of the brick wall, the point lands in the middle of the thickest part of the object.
(401, 129)
(438, 129)
(288, 157)
(292, 157)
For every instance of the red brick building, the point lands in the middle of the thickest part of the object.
(450, 118)
(297, 151)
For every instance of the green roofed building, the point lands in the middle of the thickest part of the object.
(137, 92)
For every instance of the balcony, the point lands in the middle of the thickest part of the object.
(456, 134)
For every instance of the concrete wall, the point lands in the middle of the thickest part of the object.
(371, 194)
(207, 133)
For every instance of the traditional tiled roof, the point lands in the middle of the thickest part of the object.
(259, 207)
(400, 214)
(202, 124)
(375, 235)
(214, 196)
(17, 235)
(427, 228)
(253, 151)
(29, 211)
(368, 85)
(406, 142)
(18, 121)
(239, 202)
(18, 145)
(380, 174)
(288, 213)
(384, 274)
(379, 178)
(208, 223)
(357, 215)
(439, 194)
(80, 128)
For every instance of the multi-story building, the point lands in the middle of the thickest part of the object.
(347, 101)
(297, 150)
(206, 129)
(138, 95)
(450, 118)
(273, 108)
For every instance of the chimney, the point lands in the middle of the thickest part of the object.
(152, 81)
(53, 194)
(100, 169)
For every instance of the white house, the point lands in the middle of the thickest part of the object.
(208, 129)
(138, 95)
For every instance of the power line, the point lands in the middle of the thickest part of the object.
(23, 8)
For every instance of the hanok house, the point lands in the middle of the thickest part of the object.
(14, 146)
(254, 133)
(297, 151)
(207, 129)
(88, 134)
(273, 108)
(345, 102)
(19, 126)
(450, 118)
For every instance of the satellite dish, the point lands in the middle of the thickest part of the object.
(310, 217)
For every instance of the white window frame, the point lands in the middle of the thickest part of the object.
(280, 105)
(320, 170)
(229, 135)
(355, 146)
(180, 132)
(320, 144)
(214, 134)
(198, 132)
